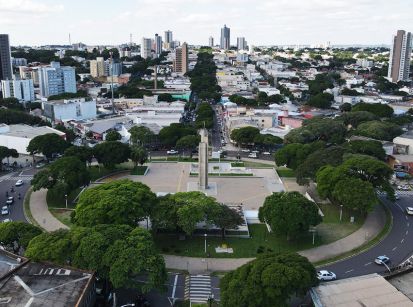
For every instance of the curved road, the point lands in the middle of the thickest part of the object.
(397, 245)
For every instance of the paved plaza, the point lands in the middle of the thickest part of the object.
(250, 191)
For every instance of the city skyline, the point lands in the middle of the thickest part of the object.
(269, 23)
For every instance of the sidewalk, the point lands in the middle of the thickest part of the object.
(41, 213)
(374, 223)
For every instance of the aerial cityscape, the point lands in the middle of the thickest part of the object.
(204, 153)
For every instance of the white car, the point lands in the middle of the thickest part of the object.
(252, 155)
(266, 153)
(255, 151)
(409, 210)
(19, 183)
(325, 275)
(10, 200)
(4, 210)
(172, 152)
(245, 150)
(6, 220)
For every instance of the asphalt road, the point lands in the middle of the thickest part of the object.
(398, 245)
(6, 183)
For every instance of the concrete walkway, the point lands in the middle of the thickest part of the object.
(374, 223)
(41, 213)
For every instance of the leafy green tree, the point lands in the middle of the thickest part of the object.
(47, 144)
(293, 155)
(267, 140)
(171, 134)
(141, 135)
(345, 107)
(83, 153)
(355, 118)
(6, 152)
(165, 215)
(226, 218)
(134, 256)
(11, 103)
(70, 134)
(384, 131)
(204, 116)
(118, 202)
(371, 148)
(188, 142)
(69, 171)
(320, 84)
(112, 136)
(15, 236)
(12, 117)
(321, 100)
(138, 155)
(289, 213)
(269, 280)
(110, 153)
(245, 135)
(323, 129)
(165, 97)
(350, 92)
(378, 109)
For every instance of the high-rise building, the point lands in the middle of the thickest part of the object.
(241, 43)
(211, 41)
(168, 44)
(97, 67)
(146, 48)
(400, 53)
(181, 59)
(56, 79)
(6, 72)
(158, 44)
(23, 90)
(225, 38)
(114, 68)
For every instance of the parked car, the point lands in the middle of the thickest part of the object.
(7, 220)
(267, 153)
(40, 165)
(382, 260)
(325, 275)
(245, 150)
(409, 210)
(4, 210)
(10, 200)
(252, 155)
(172, 152)
(19, 183)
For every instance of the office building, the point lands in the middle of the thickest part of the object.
(168, 43)
(125, 52)
(146, 48)
(16, 62)
(181, 59)
(69, 109)
(400, 53)
(241, 43)
(6, 72)
(211, 41)
(97, 67)
(56, 79)
(114, 68)
(23, 90)
(158, 45)
(225, 38)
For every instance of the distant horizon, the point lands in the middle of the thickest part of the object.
(268, 22)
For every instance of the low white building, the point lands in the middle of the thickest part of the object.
(23, 90)
(19, 136)
(69, 109)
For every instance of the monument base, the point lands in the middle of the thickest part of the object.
(212, 189)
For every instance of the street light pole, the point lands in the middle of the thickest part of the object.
(341, 212)
(111, 86)
(205, 236)
(66, 200)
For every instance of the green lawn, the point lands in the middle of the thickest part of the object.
(285, 172)
(139, 170)
(97, 172)
(328, 231)
(237, 164)
(258, 164)
(57, 200)
(62, 215)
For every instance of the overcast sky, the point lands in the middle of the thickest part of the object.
(261, 22)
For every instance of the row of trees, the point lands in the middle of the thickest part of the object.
(252, 136)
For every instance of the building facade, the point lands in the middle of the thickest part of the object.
(146, 48)
(211, 41)
(55, 80)
(97, 67)
(16, 62)
(23, 90)
(400, 54)
(6, 72)
(158, 45)
(225, 38)
(69, 109)
(241, 43)
(168, 44)
(181, 59)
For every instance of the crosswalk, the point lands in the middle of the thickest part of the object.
(397, 192)
(15, 178)
(198, 288)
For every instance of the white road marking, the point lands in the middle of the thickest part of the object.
(174, 288)
(407, 232)
(368, 263)
(349, 271)
(408, 224)
(394, 248)
(402, 241)
(406, 218)
(399, 207)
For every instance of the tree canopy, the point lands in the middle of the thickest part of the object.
(321, 100)
(245, 135)
(171, 134)
(6, 152)
(113, 135)
(47, 144)
(110, 153)
(140, 135)
(378, 109)
(269, 280)
(15, 236)
(379, 130)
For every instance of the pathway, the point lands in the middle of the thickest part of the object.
(41, 213)
(374, 223)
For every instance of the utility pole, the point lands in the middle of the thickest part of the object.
(111, 86)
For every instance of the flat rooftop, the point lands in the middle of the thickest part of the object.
(26, 131)
(365, 291)
(41, 284)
